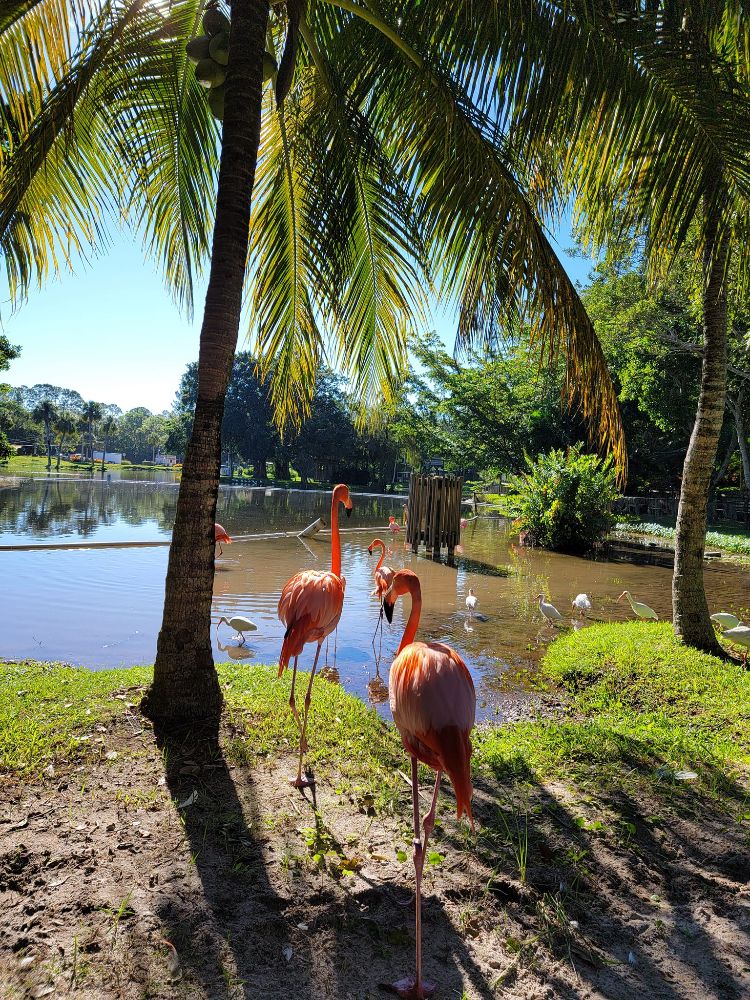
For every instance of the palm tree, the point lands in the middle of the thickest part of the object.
(649, 109)
(46, 413)
(107, 428)
(90, 415)
(65, 426)
(382, 165)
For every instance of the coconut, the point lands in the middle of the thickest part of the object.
(219, 48)
(198, 48)
(210, 74)
(215, 22)
(216, 101)
(269, 67)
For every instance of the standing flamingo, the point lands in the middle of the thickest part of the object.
(383, 574)
(220, 536)
(393, 525)
(310, 607)
(433, 704)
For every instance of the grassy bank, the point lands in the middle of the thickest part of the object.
(731, 540)
(142, 865)
(632, 694)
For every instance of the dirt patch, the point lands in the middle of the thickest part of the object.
(263, 893)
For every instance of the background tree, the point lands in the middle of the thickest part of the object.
(8, 352)
(106, 428)
(65, 425)
(46, 414)
(90, 415)
(155, 433)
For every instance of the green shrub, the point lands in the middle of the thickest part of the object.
(564, 501)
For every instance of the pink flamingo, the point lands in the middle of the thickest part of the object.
(393, 525)
(383, 574)
(433, 703)
(220, 536)
(310, 607)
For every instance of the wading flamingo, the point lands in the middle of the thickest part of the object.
(433, 704)
(549, 611)
(638, 608)
(393, 525)
(220, 536)
(383, 579)
(310, 607)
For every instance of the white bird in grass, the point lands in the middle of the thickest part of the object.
(582, 603)
(471, 603)
(740, 636)
(549, 611)
(240, 624)
(639, 609)
(725, 620)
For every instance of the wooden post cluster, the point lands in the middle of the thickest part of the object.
(434, 515)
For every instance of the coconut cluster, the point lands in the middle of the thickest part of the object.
(210, 53)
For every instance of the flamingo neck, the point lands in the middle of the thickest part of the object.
(335, 539)
(381, 543)
(416, 609)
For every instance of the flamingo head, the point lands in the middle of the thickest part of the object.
(405, 581)
(341, 493)
(375, 543)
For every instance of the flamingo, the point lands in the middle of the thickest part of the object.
(383, 574)
(725, 620)
(310, 607)
(638, 608)
(433, 704)
(393, 525)
(220, 536)
(549, 611)
(240, 624)
(582, 603)
(464, 522)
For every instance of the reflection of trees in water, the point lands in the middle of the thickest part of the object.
(59, 508)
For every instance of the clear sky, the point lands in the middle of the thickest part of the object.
(112, 332)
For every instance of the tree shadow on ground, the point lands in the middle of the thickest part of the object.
(268, 923)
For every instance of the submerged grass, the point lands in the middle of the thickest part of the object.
(638, 702)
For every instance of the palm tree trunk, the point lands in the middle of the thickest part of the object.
(59, 451)
(689, 605)
(185, 688)
(48, 436)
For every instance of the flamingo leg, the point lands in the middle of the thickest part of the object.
(292, 702)
(416, 988)
(299, 781)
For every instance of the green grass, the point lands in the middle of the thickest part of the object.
(36, 465)
(639, 699)
(731, 540)
(638, 702)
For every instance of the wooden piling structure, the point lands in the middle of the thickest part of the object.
(434, 515)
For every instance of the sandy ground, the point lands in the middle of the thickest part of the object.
(101, 864)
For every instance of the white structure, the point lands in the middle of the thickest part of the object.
(165, 460)
(115, 457)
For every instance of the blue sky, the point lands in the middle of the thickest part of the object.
(111, 331)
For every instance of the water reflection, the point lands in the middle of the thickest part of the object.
(102, 607)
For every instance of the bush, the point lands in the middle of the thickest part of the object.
(564, 501)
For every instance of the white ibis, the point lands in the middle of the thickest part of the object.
(582, 603)
(549, 611)
(240, 624)
(725, 620)
(740, 636)
(471, 603)
(639, 608)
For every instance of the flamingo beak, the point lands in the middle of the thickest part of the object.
(348, 512)
(388, 610)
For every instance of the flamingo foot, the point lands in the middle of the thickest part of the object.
(300, 782)
(407, 989)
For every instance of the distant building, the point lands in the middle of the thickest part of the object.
(113, 457)
(165, 460)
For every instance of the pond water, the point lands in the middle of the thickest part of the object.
(85, 603)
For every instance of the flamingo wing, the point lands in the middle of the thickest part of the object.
(310, 607)
(433, 703)
(383, 580)
(220, 535)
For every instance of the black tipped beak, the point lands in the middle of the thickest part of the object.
(369, 549)
(388, 611)
(348, 512)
